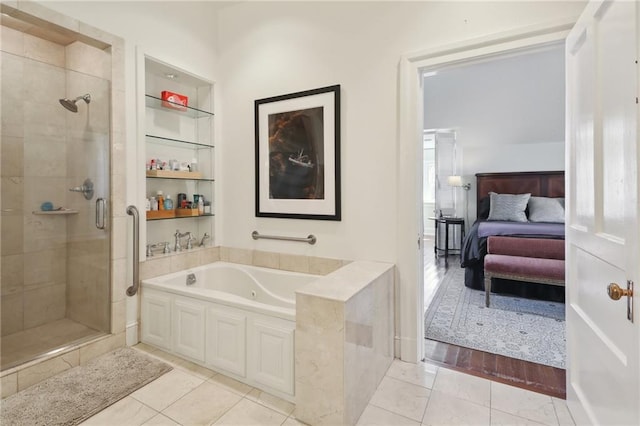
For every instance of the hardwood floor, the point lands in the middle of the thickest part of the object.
(524, 374)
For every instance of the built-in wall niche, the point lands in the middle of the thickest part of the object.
(179, 155)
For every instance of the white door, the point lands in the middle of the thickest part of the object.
(602, 230)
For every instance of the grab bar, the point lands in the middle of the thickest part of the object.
(133, 211)
(311, 239)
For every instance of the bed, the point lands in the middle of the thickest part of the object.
(507, 190)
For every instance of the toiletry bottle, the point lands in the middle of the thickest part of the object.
(147, 205)
(207, 207)
(168, 203)
(200, 205)
(154, 203)
(160, 198)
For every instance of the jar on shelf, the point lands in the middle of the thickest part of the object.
(168, 203)
(160, 198)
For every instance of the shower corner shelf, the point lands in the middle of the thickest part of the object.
(54, 212)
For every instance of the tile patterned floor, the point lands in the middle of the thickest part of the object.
(409, 394)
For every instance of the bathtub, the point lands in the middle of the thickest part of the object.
(268, 291)
(235, 319)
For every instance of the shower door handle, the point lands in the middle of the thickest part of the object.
(100, 210)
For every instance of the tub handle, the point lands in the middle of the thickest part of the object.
(133, 211)
(311, 239)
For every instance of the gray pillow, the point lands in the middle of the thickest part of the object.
(509, 207)
(543, 209)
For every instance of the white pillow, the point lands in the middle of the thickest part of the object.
(509, 207)
(543, 209)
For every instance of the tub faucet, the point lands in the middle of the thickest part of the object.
(164, 244)
(191, 279)
(189, 240)
(178, 235)
(204, 237)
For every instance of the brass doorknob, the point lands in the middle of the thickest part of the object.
(615, 292)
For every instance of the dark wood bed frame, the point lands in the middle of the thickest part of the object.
(539, 184)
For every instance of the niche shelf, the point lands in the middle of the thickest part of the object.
(157, 103)
(172, 131)
(54, 212)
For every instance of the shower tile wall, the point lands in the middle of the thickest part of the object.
(33, 169)
(41, 159)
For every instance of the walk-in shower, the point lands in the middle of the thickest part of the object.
(56, 284)
(71, 104)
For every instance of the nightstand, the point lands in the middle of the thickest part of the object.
(447, 222)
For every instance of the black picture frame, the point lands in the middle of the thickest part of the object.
(297, 155)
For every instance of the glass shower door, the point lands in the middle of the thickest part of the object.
(55, 260)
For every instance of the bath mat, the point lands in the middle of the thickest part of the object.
(531, 330)
(79, 393)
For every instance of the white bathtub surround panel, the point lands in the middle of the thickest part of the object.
(344, 342)
(186, 261)
(343, 284)
(369, 342)
(235, 319)
(319, 360)
(155, 267)
(208, 255)
(323, 265)
(294, 262)
(243, 256)
(266, 259)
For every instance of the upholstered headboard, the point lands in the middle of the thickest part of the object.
(539, 184)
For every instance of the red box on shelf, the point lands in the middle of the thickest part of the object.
(175, 100)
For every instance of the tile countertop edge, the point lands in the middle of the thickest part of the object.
(346, 282)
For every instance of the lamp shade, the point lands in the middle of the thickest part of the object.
(454, 180)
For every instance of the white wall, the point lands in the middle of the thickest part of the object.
(268, 49)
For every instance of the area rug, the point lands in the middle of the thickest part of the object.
(531, 330)
(75, 395)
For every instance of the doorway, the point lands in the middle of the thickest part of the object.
(410, 258)
(502, 115)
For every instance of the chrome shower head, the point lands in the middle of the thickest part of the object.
(71, 104)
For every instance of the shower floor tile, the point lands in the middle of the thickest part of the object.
(26, 345)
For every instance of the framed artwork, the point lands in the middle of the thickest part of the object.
(298, 155)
